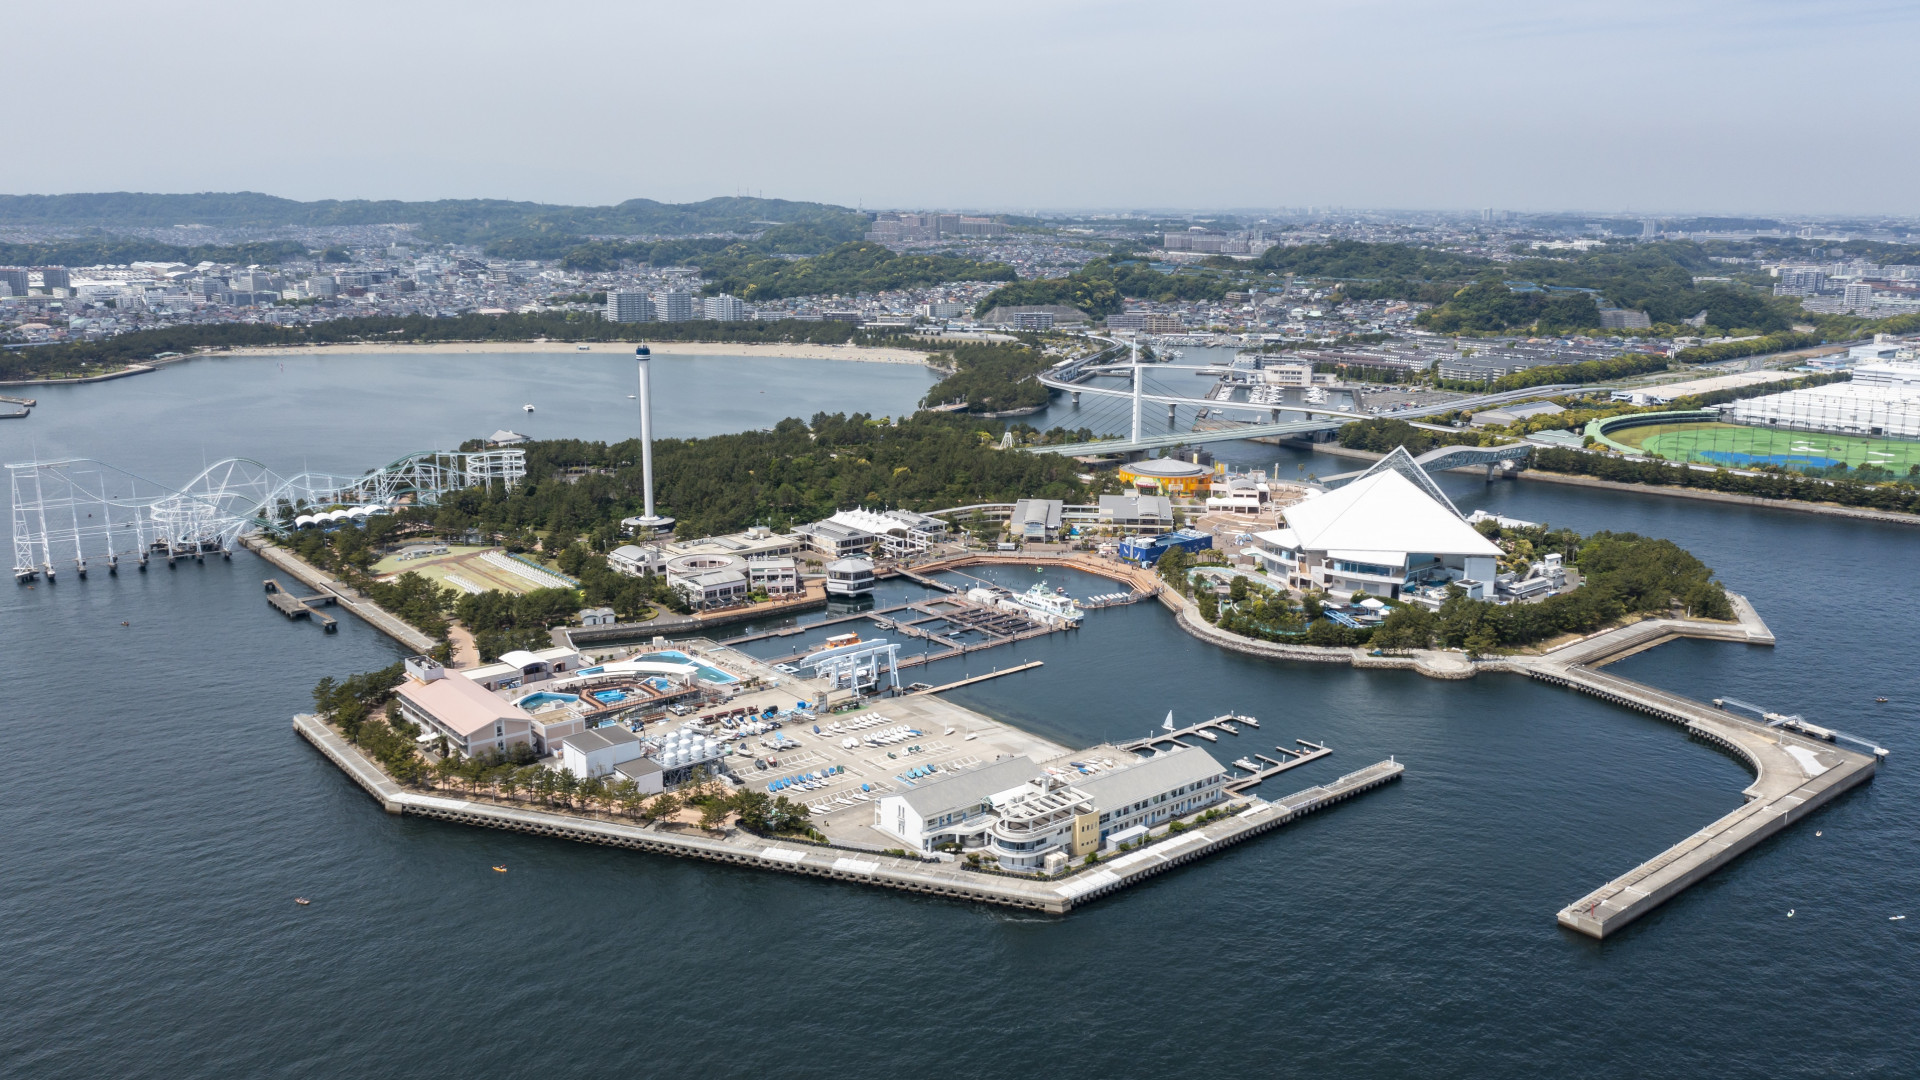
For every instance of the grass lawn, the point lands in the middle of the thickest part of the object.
(464, 568)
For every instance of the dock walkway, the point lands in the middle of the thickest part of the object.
(1053, 896)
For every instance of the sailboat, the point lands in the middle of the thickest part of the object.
(1168, 726)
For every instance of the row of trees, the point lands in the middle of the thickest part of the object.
(1872, 489)
(362, 707)
(1759, 346)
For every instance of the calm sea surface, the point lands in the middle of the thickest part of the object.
(159, 815)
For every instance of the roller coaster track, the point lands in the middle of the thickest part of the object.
(75, 510)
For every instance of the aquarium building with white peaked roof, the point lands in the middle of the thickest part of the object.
(1390, 530)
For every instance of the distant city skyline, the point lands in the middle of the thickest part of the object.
(1631, 107)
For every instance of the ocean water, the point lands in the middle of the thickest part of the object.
(160, 815)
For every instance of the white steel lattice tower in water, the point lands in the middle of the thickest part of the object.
(649, 523)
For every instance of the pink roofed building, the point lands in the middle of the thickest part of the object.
(473, 720)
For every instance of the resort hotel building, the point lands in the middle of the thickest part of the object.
(1388, 532)
(1030, 817)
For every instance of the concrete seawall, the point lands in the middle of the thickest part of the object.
(1053, 896)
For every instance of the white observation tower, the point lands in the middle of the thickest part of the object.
(649, 524)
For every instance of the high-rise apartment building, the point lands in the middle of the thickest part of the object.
(15, 280)
(1857, 296)
(724, 308)
(672, 305)
(628, 305)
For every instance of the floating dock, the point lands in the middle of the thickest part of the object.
(302, 607)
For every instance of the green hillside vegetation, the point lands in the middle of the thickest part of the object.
(1377, 271)
(991, 378)
(1099, 288)
(118, 250)
(1470, 293)
(444, 220)
(858, 267)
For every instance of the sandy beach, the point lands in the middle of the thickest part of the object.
(665, 349)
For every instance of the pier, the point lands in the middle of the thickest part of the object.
(1056, 895)
(1028, 666)
(302, 607)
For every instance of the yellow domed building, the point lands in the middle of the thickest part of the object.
(1167, 476)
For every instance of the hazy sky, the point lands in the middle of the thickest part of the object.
(1751, 106)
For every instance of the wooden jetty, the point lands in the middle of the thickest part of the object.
(302, 607)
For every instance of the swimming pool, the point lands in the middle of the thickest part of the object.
(545, 698)
(709, 674)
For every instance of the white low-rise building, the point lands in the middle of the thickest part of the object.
(596, 752)
(1389, 530)
(635, 561)
(1023, 814)
(522, 667)
(775, 575)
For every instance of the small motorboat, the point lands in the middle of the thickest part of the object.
(1895, 918)
(1250, 721)
(302, 901)
(1208, 735)
(1876, 701)
(499, 869)
(527, 407)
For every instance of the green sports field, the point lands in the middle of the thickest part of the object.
(1740, 446)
